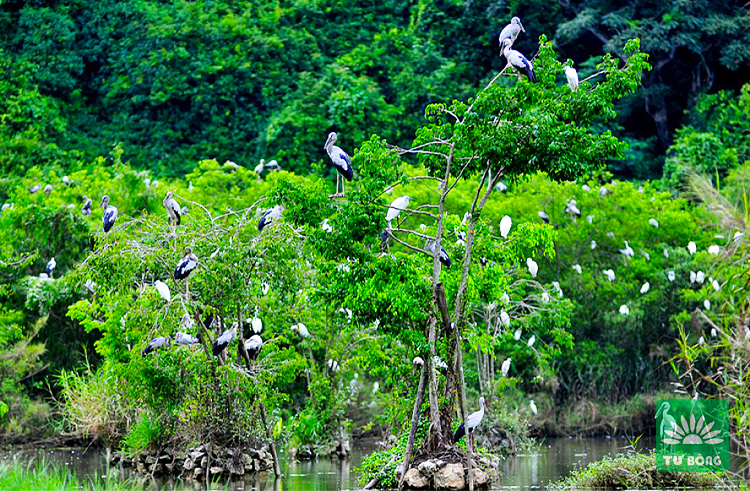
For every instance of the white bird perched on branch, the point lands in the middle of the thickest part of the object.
(48, 189)
(593, 245)
(396, 207)
(627, 251)
(543, 216)
(653, 222)
(155, 344)
(301, 329)
(270, 216)
(505, 224)
(257, 324)
(66, 180)
(504, 318)
(700, 276)
(610, 275)
(341, 162)
(417, 360)
(713, 249)
(173, 209)
(715, 284)
(163, 290)
(472, 421)
(577, 268)
(511, 32)
(51, 264)
(518, 61)
(517, 335)
(110, 214)
(224, 340)
(253, 346)
(533, 267)
(505, 367)
(33, 189)
(670, 276)
(572, 75)
(326, 226)
(645, 288)
(531, 341)
(624, 310)
(185, 339)
(693, 276)
(707, 304)
(691, 247)
(533, 407)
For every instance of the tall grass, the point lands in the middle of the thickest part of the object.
(42, 476)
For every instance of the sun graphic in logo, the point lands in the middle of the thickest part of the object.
(693, 433)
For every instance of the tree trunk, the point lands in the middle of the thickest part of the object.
(414, 422)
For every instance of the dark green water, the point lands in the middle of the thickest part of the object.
(552, 460)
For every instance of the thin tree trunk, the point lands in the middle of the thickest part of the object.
(464, 414)
(435, 426)
(414, 422)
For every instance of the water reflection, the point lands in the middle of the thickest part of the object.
(553, 460)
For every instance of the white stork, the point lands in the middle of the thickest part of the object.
(341, 162)
(173, 209)
(572, 75)
(270, 216)
(511, 31)
(471, 422)
(518, 61)
(110, 214)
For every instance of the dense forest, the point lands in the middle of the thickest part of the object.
(593, 239)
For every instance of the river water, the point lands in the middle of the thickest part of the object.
(552, 460)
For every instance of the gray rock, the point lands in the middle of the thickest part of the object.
(427, 468)
(415, 480)
(481, 477)
(450, 476)
(189, 464)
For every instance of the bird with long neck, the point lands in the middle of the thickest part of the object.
(110, 214)
(186, 265)
(341, 162)
(511, 31)
(173, 210)
(472, 421)
(518, 61)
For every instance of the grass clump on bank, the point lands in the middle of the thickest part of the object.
(634, 471)
(41, 476)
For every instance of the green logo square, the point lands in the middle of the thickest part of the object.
(692, 435)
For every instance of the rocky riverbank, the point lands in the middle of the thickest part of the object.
(199, 462)
(448, 474)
